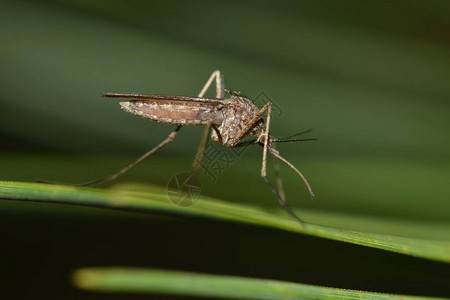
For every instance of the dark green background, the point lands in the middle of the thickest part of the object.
(370, 77)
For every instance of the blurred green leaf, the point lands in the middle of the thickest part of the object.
(365, 91)
(125, 280)
(150, 199)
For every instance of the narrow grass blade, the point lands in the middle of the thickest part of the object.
(154, 200)
(125, 280)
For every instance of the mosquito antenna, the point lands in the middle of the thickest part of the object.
(235, 93)
(295, 135)
(277, 155)
(282, 140)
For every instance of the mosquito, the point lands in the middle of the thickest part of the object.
(233, 122)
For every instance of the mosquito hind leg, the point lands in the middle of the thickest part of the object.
(220, 85)
(169, 139)
(220, 93)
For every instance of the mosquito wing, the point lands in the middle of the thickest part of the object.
(155, 97)
(178, 110)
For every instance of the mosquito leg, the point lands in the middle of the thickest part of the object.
(276, 167)
(169, 139)
(200, 150)
(220, 86)
(220, 93)
(277, 155)
(280, 198)
(219, 135)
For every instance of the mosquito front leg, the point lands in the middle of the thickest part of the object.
(280, 198)
(276, 167)
(277, 155)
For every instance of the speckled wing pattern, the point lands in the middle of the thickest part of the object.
(177, 110)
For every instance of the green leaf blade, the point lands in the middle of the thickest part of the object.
(154, 200)
(127, 280)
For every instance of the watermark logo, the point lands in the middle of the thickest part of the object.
(217, 159)
(184, 189)
(262, 98)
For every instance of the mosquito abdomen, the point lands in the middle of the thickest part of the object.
(175, 112)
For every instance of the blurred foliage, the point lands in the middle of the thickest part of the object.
(361, 75)
(122, 280)
(371, 78)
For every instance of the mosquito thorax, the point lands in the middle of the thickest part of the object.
(236, 117)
